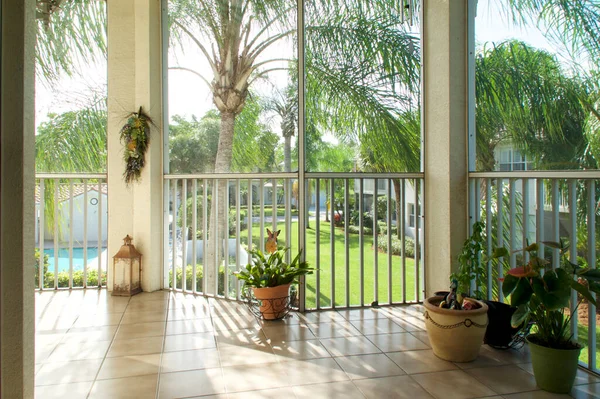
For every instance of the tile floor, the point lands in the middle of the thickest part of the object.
(166, 345)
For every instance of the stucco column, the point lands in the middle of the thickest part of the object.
(445, 135)
(134, 80)
(16, 199)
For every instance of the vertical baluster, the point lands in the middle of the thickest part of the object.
(417, 241)
(526, 206)
(555, 222)
(183, 234)
(194, 233)
(71, 219)
(261, 196)
(591, 244)
(513, 223)
(100, 217)
(215, 202)
(42, 228)
(540, 217)
(332, 239)
(166, 234)
(226, 241)
(500, 238)
(274, 206)
(347, 238)
(85, 226)
(174, 234)
(389, 238)
(287, 184)
(573, 247)
(361, 253)
(488, 233)
(237, 235)
(402, 227)
(205, 223)
(250, 209)
(375, 250)
(57, 220)
(318, 242)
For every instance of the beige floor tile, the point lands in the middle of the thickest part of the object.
(413, 362)
(140, 387)
(321, 317)
(397, 342)
(49, 338)
(263, 376)
(143, 317)
(68, 372)
(78, 390)
(422, 336)
(191, 383)
(505, 379)
(135, 346)
(140, 330)
(398, 387)
(190, 360)
(409, 323)
(586, 391)
(186, 342)
(188, 314)
(377, 326)
(363, 314)
(330, 390)
(98, 320)
(520, 355)
(314, 371)
(240, 322)
(129, 366)
(234, 355)
(286, 333)
(583, 377)
(454, 384)
(300, 350)
(85, 350)
(221, 307)
(43, 352)
(246, 336)
(349, 346)
(334, 330)
(189, 326)
(276, 393)
(536, 395)
(142, 306)
(151, 296)
(56, 324)
(485, 359)
(89, 334)
(368, 366)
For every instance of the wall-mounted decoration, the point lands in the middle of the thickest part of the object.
(136, 137)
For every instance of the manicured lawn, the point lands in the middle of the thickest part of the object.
(582, 333)
(323, 275)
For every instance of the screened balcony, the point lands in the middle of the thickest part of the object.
(383, 226)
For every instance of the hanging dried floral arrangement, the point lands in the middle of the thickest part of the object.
(136, 137)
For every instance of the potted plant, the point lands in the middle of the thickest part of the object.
(270, 276)
(472, 276)
(541, 295)
(455, 322)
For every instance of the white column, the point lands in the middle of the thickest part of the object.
(134, 80)
(16, 199)
(445, 136)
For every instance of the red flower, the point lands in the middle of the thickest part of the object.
(523, 271)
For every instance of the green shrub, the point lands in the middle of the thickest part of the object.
(382, 207)
(356, 230)
(199, 277)
(63, 278)
(409, 244)
(37, 266)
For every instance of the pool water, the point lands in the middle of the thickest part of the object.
(63, 258)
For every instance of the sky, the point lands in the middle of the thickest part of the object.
(189, 95)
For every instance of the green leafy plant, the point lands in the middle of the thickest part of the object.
(541, 294)
(272, 270)
(135, 134)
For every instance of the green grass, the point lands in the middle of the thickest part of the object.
(323, 275)
(582, 338)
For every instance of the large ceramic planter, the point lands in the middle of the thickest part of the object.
(273, 301)
(455, 335)
(554, 369)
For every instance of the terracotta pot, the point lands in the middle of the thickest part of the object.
(274, 301)
(455, 335)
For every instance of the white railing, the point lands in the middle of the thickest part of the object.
(527, 207)
(354, 264)
(71, 230)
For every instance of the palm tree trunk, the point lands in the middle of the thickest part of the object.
(287, 154)
(217, 230)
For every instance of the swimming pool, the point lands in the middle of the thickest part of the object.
(63, 258)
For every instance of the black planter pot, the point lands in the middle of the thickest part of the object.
(500, 334)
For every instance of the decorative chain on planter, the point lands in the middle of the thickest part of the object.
(135, 134)
(466, 322)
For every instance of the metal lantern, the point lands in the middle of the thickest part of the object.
(127, 270)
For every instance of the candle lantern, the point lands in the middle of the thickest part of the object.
(127, 270)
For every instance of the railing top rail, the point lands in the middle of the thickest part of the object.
(539, 174)
(70, 175)
(294, 175)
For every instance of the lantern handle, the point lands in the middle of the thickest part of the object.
(127, 240)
